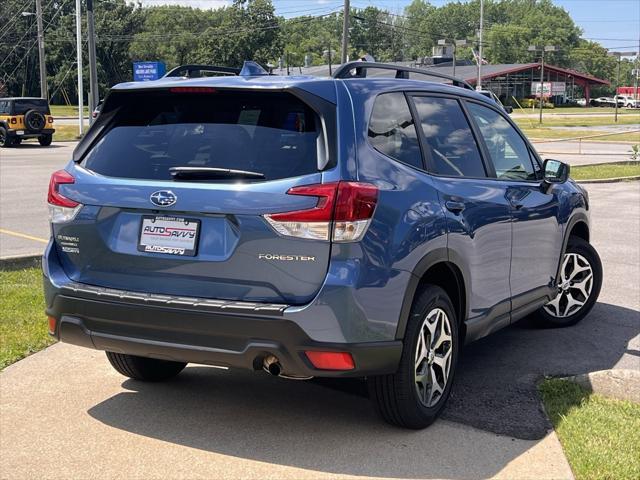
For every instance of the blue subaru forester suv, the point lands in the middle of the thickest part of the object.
(365, 225)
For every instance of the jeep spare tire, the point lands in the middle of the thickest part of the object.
(34, 120)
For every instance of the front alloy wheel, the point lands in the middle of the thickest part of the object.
(574, 289)
(579, 285)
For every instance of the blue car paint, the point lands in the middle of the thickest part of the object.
(360, 297)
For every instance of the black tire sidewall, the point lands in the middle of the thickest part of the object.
(7, 140)
(583, 248)
(45, 140)
(431, 297)
(35, 114)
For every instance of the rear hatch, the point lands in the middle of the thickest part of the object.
(175, 189)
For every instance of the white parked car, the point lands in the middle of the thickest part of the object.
(628, 101)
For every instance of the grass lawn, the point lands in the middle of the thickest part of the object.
(600, 436)
(65, 133)
(67, 110)
(582, 110)
(593, 121)
(605, 170)
(23, 324)
(542, 133)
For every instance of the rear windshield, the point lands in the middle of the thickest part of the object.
(20, 107)
(274, 134)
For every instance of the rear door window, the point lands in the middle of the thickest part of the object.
(273, 133)
(451, 145)
(392, 130)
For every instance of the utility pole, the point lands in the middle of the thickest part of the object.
(345, 30)
(94, 95)
(479, 81)
(79, 62)
(43, 68)
(546, 48)
(615, 97)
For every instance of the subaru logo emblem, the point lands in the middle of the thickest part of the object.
(163, 198)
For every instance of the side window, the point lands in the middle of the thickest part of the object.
(508, 151)
(392, 131)
(3, 107)
(452, 147)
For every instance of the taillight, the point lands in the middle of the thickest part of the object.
(344, 208)
(61, 208)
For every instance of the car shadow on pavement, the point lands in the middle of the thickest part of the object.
(330, 426)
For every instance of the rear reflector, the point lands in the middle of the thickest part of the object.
(52, 325)
(344, 207)
(331, 360)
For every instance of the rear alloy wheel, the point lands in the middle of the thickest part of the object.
(143, 368)
(5, 140)
(414, 396)
(578, 286)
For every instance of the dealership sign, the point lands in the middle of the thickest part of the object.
(548, 89)
(145, 71)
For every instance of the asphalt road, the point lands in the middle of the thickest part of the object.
(91, 422)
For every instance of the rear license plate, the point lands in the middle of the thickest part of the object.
(169, 235)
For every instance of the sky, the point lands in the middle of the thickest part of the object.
(615, 24)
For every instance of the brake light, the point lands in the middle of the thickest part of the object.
(344, 208)
(192, 90)
(61, 208)
(331, 360)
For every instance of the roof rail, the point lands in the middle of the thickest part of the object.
(345, 71)
(186, 70)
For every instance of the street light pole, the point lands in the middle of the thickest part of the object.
(542, 50)
(479, 81)
(79, 60)
(43, 68)
(93, 72)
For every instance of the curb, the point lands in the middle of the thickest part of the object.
(19, 262)
(620, 384)
(610, 180)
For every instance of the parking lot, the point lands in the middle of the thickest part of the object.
(208, 423)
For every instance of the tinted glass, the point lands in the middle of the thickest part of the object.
(509, 154)
(392, 131)
(20, 107)
(271, 133)
(452, 147)
(4, 107)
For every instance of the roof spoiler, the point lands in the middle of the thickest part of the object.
(358, 69)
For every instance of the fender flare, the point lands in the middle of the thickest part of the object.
(438, 255)
(579, 217)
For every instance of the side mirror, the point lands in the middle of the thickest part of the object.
(508, 109)
(555, 171)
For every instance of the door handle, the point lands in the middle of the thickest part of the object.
(454, 207)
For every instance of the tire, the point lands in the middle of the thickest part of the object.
(17, 141)
(399, 398)
(5, 141)
(45, 140)
(560, 312)
(34, 120)
(145, 369)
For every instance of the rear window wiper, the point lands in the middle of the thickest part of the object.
(212, 173)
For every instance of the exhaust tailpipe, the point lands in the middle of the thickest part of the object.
(271, 364)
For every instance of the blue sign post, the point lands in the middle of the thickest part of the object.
(145, 71)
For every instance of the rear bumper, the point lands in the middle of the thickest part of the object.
(26, 133)
(236, 335)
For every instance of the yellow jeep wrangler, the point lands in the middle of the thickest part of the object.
(22, 118)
